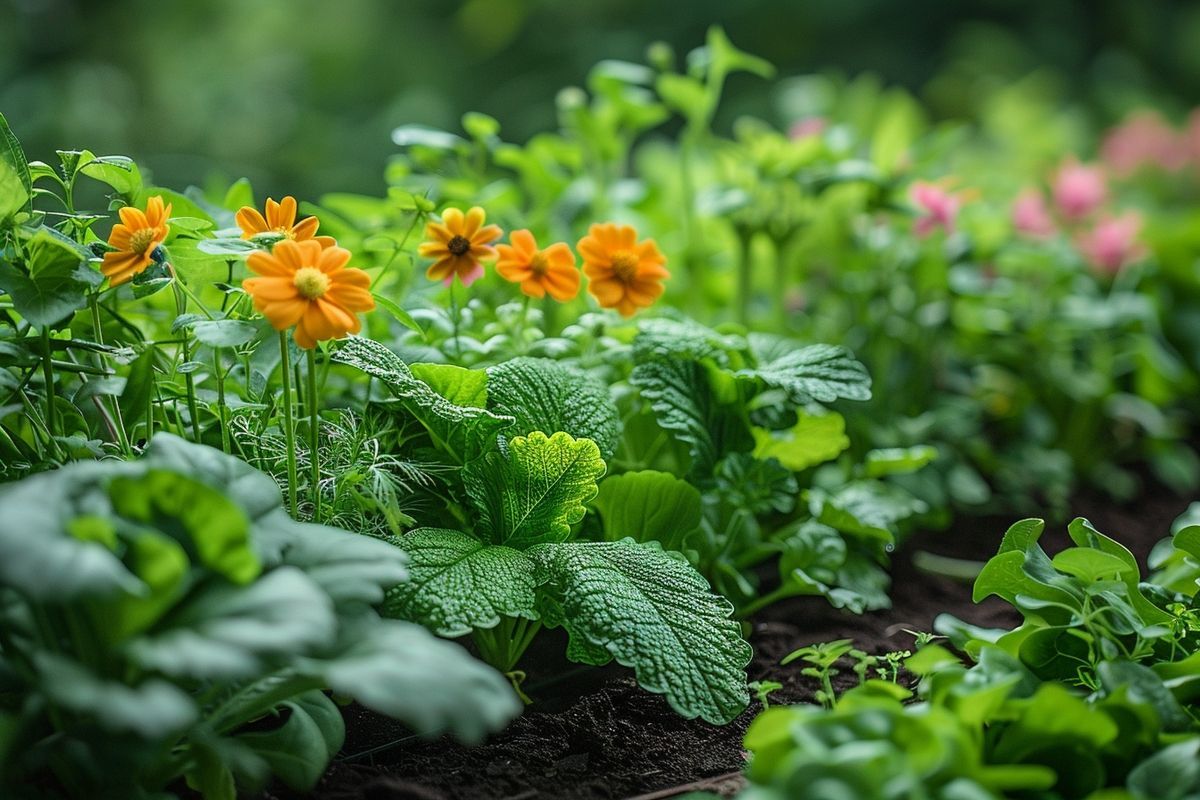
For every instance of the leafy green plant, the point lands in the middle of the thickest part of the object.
(185, 605)
(519, 566)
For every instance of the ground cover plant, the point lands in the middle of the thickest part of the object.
(600, 404)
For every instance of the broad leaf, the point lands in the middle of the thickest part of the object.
(814, 439)
(819, 372)
(300, 749)
(544, 395)
(648, 506)
(459, 583)
(656, 614)
(536, 491)
(459, 385)
(464, 432)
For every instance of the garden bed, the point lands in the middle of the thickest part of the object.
(593, 734)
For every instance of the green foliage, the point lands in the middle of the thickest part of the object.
(186, 604)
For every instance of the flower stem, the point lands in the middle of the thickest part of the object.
(48, 377)
(220, 375)
(314, 429)
(454, 319)
(289, 429)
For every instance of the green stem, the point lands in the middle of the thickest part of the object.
(314, 430)
(522, 344)
(181, 300)
(289, 429)
(745, 278)
(454, 319)
(220, 375)
(98, 334)
(48, 377)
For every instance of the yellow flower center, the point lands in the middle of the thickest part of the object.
(311, 283)
(286, 233)
(140, 240)
(458, 245)
(624, 265)
(538, 264)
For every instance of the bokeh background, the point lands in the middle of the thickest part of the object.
(301, 95)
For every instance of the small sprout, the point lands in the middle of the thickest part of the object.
(763, 689)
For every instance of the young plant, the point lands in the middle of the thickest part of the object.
(515, 562)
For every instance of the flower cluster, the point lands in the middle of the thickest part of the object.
(623, 273)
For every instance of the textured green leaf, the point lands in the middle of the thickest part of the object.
(459, 583)
(16, 189)
(818, 372)
(898, 460)
(814, 439)
(656, 614)
(463, 431)
(648, 506)
(866, 508)
(459, 385)
(536, 491)
(119, 172)
(544, 395)
(684, 403)
(300, 749)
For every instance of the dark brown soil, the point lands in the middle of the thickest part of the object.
(593, 734)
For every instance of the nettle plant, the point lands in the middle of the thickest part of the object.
(163, 621)
(530, 438)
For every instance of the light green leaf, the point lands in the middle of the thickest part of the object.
(224, 332)
(898, 460)
(654, 613)
(814, 439)
(459, 584)
(464, 432)
(544, 395)
(536, 491)
(648, 506)
(16, 188)
(119, 172)
(459, 385)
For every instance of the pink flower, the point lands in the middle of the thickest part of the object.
(940, 208)
(1144, 139)
(1079, 190)
(807, 127)
(1112, 242)
(1031, 216)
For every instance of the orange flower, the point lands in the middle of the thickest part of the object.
(623, 273)
(281, 219)
(540, 272)
(135, 237)
(308, 286)
(457, 244)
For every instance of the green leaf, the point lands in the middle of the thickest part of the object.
(820, 372)
(205, 522)
(464, 432)
(544, 395)
(139, 386)
(536, 491)
(300, 749)
(814, 439)
(119, 172)
(898, 460)
(424, 136)
(224, 332)
(225, 632)
(459, 584)
(152, 708)
(432, 685)
(656, 614)
(1089, 565)
(866, 508)
(1172, 773)
(398, 313)
(459, 385)
(724, 58)
(16, 188)
(685, 95)
(57, 283)
(648, 506)
(681, 394)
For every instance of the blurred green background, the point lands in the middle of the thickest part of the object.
(301, 95)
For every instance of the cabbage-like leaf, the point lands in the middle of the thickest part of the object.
(818, 372)
(460, 583)
(536, 491)
(544, 395)
(648, 506)
(656, 614)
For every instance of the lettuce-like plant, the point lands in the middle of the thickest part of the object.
(531, 436)
(151, 609)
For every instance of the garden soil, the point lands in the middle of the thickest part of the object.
(594, 735)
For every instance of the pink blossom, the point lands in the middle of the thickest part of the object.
(1031, 216)
(1191, 137)
(940, 208)
(1079, 189)
(807, 127)
(1112, 242)
(1144, 139)
(466, 279)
